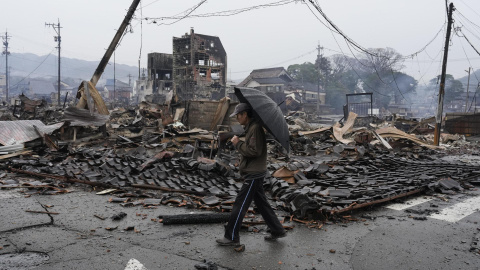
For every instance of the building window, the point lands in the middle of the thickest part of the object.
(203, 72)
(269, 88)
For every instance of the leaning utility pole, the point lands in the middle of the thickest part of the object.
(114, 81)
(58, 39)
(438, 125)
(81, 93)
(6, 53)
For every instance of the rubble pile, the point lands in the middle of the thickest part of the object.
(330, 170)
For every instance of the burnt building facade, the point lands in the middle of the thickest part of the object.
(199, 66)
(160, 68)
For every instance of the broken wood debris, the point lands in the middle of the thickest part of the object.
(334, 169)
(41, 212)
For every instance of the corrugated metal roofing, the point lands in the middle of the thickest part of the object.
(81, 117)
(16, 132)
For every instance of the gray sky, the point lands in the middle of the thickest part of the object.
(260, 38)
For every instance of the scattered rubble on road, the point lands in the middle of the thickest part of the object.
(131, 152)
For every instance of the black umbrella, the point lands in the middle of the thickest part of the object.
(265, 109)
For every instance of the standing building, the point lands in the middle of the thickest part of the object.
(199, 66)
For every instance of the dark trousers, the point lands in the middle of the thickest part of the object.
(251, 190)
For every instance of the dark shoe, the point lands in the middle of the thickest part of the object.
(273, 237)
(227, 242)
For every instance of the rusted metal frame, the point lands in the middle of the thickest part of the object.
(357, 206)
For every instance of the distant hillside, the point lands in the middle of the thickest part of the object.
(34, 66)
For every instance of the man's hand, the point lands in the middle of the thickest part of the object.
(235, 140)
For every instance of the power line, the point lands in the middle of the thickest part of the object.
(469, 8)
(224, 13)
(358, 46)
(373, 90)
(461, 44)
(475, 49)
(34, 69)
(177, 19)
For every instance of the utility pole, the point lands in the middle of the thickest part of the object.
(468, 84)
(114, 81)
(318, 62)
(58, 39)
(6, 53)
(438, 125)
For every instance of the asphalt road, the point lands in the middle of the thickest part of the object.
(382, 237)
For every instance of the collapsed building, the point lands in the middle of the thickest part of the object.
(160, 67)
(196, 70)
(199, 66)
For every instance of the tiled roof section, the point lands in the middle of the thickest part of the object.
(270, 80)
(265, 73)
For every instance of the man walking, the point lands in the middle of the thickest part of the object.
(253, 168)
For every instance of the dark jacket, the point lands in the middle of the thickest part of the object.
(253, 150)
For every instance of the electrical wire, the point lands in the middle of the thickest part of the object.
(474, 73)
(223, 13)
(475, 49)
(358, 46)
(186, 12)
(353, 69)
(463, 25)
(34, 69)
(463, 16)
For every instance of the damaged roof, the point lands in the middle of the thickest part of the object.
(16, 132)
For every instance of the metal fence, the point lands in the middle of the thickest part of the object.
(360, 104)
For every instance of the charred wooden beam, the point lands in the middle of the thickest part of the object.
(195, 218)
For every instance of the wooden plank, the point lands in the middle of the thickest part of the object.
(16, 154)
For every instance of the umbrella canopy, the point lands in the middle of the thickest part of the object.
(265, 109)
